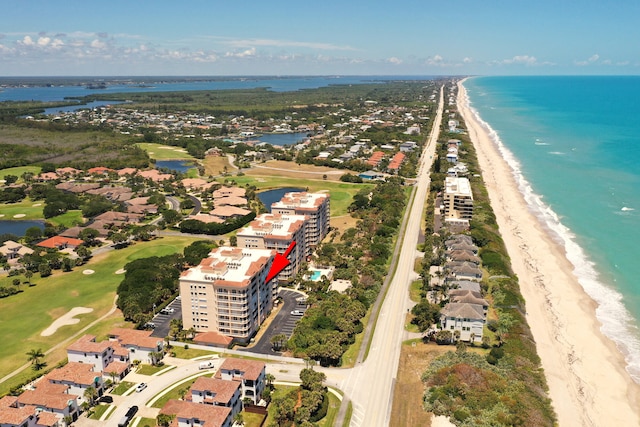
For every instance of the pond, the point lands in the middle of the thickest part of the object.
(18, 227)
(181, 166)
(271, 196)
(283, 138)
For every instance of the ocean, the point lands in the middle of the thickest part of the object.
(574, 144)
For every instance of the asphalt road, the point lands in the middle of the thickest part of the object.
(370, 384)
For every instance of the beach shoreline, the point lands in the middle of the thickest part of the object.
(586, 375)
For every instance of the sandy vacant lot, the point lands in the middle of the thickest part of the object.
(67, 319)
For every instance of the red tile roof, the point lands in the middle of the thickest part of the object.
(57, 242)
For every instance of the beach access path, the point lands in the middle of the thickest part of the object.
(585, 371)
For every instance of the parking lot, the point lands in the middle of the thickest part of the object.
(284, 322)
(163, 318)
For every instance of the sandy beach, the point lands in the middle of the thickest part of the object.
(585, 372)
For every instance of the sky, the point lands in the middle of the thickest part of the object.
(329, 37)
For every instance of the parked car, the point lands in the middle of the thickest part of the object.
(167, 310)
(297, 313)
(149, 325)
(141, 387)
(124, 421)
(105, 399)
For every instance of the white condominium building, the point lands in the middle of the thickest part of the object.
(277, 231)
(457, 199)
(314, 205)
(228, 293)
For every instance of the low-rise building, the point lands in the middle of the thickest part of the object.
(250, 374)
(216, 392)
(190, 414)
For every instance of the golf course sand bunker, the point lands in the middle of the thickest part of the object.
(121, 271)
(67, 319)
(87, 271)
(19, 215)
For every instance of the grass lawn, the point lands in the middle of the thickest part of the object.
(150, 369)
(24, 207)
(252, 420)
(349, 357)
(415, 291)
(122, 388)
(165, 152)
(189, 353)
(19, 170)
(341, 192)
(68, 219)
(174, 393)
(98, 410)
(147, 422)
(283, 168)
(25, 315)
(332, 413)
(214, 165)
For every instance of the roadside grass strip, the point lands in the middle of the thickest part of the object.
(164, 371)
(106, 414)
(155, 398)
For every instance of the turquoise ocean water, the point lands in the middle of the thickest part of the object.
(574, 145)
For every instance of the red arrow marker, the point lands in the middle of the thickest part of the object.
(280, 262)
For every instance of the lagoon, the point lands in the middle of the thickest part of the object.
(283, 138)
(181, 166)
(271, 196)
(19, 228)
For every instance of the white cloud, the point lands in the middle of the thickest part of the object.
(279, 43)
(243, 54)
(98, 44)
(394, 60)
(521, 59)
(467, 60)
(43, 41)
(27, 41)
(591, 60)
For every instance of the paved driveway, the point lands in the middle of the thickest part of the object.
(283, 323)
(163, 321)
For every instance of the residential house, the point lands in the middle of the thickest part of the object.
(14, 250)
(217, 392)
(60, 243)
(53, 398)
(12, 415)
(79, 377)
(140, 344)
(467, 319)
(190, 414)
(250, 373)
(107, 357)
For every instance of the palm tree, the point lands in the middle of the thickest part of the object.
(269, 378)
(28, 275)
(90, 394)
(34, 358)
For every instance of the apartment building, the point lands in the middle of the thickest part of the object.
(228, 292)
(314, 205)
(457, 199)
(278, 231)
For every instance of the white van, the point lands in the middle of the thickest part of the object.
(207, 364)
